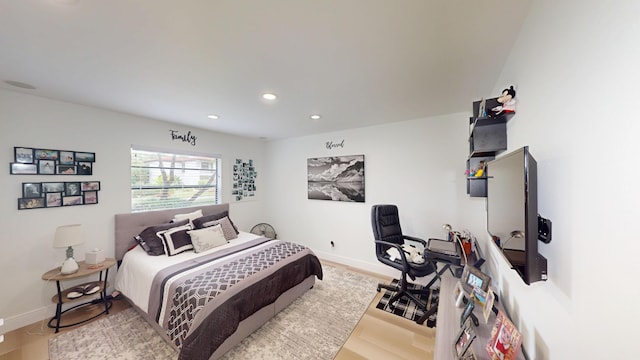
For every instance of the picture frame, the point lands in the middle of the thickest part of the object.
(31, 161)
(90, 197)
(85, 156)
(52, 187)
(466, 313)
(479, 295)
(458, 294)
(469, 355)
(487, 307)
(505, 339)
(46, 167)
(53, 199)
(473, 277)
(31, 190)
(30, 203)
(463, 340)
(66, 169)
(46, 154)
(90, 186)
(72, 189)
(84, 168)
(327, 185)
(23, 169)
(23, 155)
(72, 200)
(67, 157)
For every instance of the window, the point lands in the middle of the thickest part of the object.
(163, 179)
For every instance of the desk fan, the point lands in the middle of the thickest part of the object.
(264, 229)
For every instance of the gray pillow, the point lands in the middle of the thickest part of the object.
(198, 223)
(226, 225)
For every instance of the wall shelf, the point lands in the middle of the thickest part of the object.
(487, 138)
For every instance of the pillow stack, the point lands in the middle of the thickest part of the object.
(191, 231)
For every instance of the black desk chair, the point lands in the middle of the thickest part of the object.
(388, 234)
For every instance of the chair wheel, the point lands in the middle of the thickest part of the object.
(378, 289)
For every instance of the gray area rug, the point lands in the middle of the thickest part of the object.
(314, 326)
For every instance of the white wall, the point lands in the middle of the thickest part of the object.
(418, 165)
(575, 67)
(27, 235)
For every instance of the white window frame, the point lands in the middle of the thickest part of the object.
(180, 192)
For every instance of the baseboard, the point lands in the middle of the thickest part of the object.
(368, 267)
(28, 318)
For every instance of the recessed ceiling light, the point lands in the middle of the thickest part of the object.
(213, 116)
(315, 117)
(20, 84)
(269, 96)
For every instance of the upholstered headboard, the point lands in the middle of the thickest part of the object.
(127, 226)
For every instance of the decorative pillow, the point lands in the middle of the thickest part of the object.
(190, 216)
(176, 240)
(207, 238)
(198, 223)
(151, 242)
(227, 228)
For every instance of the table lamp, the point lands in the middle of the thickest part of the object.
(66, 237)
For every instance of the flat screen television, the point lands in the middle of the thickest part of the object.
(512, 212)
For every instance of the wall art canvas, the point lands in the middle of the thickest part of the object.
(337, 178)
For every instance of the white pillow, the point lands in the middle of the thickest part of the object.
(191, 216)
(207, 238)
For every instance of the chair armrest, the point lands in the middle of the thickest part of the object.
(403, 257)
(413, 238)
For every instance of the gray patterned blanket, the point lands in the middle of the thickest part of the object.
(200, 302)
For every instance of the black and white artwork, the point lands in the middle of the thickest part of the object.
(337, 178)
(244, 180)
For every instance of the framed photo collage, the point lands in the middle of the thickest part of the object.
(38, 195)
(30, 161)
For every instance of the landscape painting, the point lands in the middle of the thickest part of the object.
(337, 178)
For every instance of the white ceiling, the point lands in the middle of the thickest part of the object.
(355, 62)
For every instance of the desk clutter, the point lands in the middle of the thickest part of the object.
(472, 291)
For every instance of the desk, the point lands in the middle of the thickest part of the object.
(448, 324)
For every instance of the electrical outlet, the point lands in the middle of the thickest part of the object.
(1, 322)
(1, 338)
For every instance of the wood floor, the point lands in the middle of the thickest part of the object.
(378, 335)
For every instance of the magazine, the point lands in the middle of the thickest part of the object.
(505, 340)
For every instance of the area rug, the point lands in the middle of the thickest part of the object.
(407, 309)
(314, 326)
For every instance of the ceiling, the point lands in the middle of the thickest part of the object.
(355, 62)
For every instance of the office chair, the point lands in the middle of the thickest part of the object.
(387, 234)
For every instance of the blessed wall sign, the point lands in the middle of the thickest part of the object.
(331, 145)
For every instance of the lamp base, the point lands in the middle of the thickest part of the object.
(69, 266)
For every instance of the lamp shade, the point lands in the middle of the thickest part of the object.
(68, 235)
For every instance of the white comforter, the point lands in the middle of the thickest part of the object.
(138, 269)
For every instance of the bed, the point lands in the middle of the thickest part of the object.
(206, 302)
